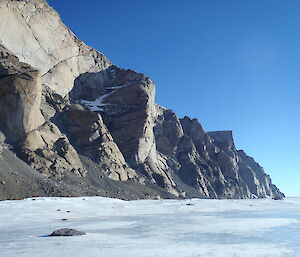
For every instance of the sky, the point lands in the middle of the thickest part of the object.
(233, 65)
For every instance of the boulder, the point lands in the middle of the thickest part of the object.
(67, 232)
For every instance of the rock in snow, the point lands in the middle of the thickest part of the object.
(67, 232)
(77, 119)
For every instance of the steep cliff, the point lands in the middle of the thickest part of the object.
(76, 118)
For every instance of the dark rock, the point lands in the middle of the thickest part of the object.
(67, 232)
(279, 197)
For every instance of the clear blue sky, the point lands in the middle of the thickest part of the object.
(231, 64)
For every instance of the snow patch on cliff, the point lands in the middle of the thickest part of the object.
(98, 104)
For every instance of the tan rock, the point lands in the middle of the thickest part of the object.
(36, 34)
(20, 97)
(90, 135)
(44, 136)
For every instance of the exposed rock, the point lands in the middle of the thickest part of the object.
(90, 135)
(125, 100)
(209, 162)
(21, 181)
(72, 115)
(254, 176)
(44, 42)
(67, 232)
(168, 131)
(20, 97)
(42, 144)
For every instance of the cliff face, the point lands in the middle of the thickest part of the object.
(72, 115)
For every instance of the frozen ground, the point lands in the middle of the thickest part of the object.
(190, 228)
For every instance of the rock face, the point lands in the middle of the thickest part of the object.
(41, 143)
(67, 111)
(44, 42)
(90, 135)
(20, 96)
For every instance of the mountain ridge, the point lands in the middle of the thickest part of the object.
(70, 112)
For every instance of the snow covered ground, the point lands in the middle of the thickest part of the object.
(163, 228)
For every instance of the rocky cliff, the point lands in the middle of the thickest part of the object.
(75, 118)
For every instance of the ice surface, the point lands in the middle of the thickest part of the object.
(163, 228)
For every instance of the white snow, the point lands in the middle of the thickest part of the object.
(115, 87)
(98, 104)
(162, 228)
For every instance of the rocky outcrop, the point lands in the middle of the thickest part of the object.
(125, 100)
(72, 115)
(89, 134)
(44, 42)
(209, 161)
(47, 150)
(41, 143)
(20, 96)
(168, 131)
(249, 174)
(259, 183)
(18, 180)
